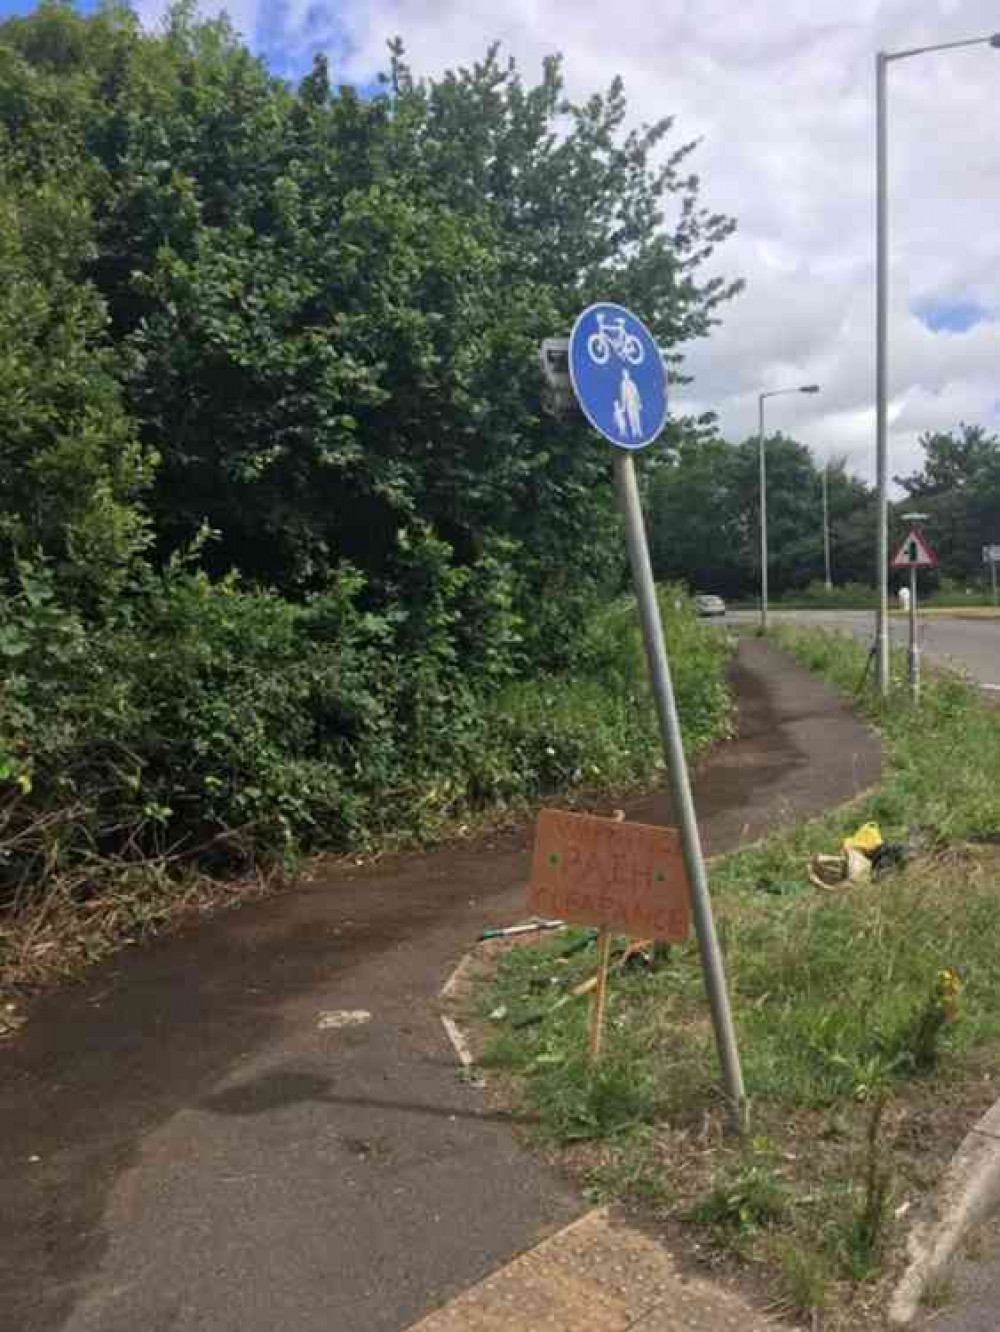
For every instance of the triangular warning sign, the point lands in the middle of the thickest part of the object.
(915, 552)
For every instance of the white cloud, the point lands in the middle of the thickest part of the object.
(782, 97)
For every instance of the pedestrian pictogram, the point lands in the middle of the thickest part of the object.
(915, 552)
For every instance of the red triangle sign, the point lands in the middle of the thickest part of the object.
(915, 552)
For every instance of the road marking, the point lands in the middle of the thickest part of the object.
(448, 988)
(459, 1042)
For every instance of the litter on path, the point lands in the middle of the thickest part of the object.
(343, 1017)
(528, 927)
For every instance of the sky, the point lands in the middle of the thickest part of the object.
(781, 99)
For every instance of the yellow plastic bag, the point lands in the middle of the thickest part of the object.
(867, 839)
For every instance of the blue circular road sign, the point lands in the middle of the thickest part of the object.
(618, 375)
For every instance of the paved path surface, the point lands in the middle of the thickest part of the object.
(972, 645)
(187, 1143)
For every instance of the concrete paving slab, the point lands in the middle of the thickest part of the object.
(598, 1275)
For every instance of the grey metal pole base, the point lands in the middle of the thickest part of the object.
(680, 787)
(914, 639)
(762, 463)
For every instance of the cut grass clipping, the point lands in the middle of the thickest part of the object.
(865, 1017)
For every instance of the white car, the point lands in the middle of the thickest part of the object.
(706, 603)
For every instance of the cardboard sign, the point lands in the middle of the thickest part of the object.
(627, 877)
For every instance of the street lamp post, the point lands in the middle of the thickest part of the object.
(882, 61)
(824, 476)
(774, 393)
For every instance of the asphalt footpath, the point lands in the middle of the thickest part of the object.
(256, 1124)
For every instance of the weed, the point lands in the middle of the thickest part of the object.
(806, 1276)
(751, 1199)
(940, 1009)
(633, 1168)
(867, 1233)
(508, 1051)
(579, 1100)
(939, 1292)
(975, 1244)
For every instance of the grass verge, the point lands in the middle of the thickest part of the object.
(867, 1021)
(959, 611)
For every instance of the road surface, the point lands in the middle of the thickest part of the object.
(971, 645)
(190, 1142)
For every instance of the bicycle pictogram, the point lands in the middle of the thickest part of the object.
(611, 335)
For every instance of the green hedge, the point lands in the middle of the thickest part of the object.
(222, 722)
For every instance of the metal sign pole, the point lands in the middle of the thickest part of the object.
(762, 462)
(914, 641)
(915, 553)
(619, 377)
(993, 575)
(680, 786)
(826, 530)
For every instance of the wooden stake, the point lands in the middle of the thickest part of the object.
(600, 995)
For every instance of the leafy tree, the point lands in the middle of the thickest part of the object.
(953, 461)
(281, 520)
(73, 469)
(697, 533)
(705, 517)
(794, 520)
(959, 488)
(853, 511)
(326, 309)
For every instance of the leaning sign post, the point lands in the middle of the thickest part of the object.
(620, 381)
(915, 553)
